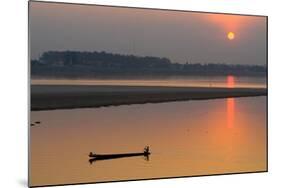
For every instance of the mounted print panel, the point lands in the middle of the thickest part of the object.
(119, 93)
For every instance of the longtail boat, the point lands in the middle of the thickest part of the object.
(95, 157)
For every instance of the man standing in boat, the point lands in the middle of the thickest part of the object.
(146, 149)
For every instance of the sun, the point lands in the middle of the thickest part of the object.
(230, 35)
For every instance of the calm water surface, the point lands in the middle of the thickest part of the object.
(185, 138)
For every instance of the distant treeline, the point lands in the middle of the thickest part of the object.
(75, 64)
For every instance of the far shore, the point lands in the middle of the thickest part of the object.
(51, 97)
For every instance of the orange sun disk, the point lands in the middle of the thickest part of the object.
(230, 35)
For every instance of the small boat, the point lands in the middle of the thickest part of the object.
(95, 157)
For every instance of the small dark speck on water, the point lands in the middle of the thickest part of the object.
(35, 123)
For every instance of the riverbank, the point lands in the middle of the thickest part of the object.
(51, 97)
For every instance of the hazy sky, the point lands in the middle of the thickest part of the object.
(179, 36)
